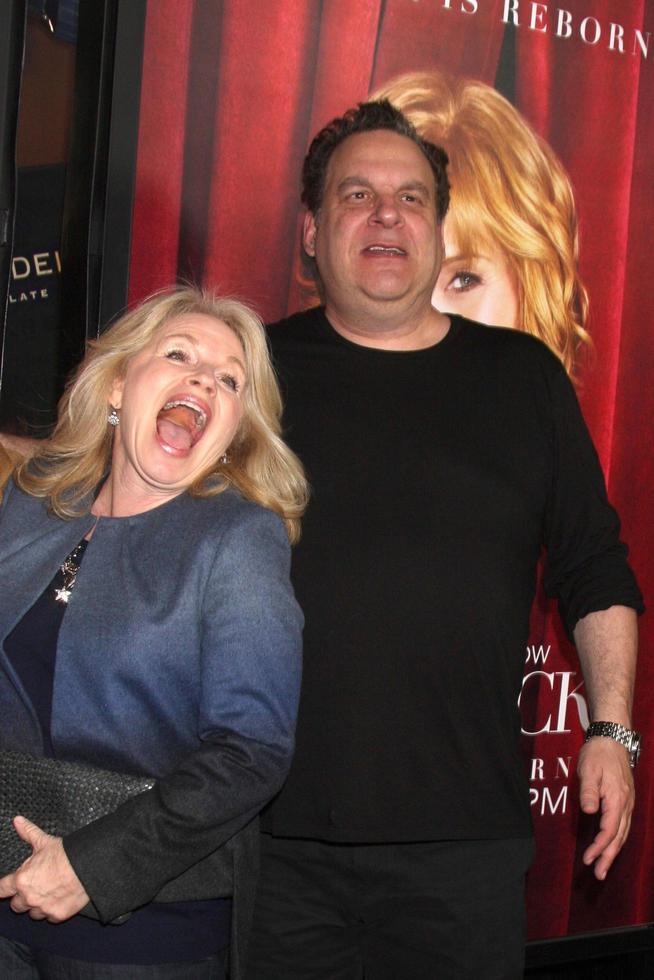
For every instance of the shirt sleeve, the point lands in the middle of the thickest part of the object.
(586, 567)
(251, 667)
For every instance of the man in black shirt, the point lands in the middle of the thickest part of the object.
(442, 455)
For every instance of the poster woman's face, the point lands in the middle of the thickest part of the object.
(481, 287)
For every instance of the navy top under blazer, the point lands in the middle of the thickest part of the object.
(179, 656)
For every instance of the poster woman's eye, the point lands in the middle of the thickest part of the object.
(463, 280)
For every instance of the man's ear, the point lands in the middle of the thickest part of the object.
(309, 230)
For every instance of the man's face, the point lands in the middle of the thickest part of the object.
(376, 240)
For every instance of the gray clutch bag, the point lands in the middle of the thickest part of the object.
(58, 797)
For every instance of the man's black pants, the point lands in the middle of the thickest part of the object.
(449, 910)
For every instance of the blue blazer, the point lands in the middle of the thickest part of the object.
(179, 656)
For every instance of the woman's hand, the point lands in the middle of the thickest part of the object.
(45, 886)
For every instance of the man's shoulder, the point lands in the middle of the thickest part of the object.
(298, 327)
(507, 346)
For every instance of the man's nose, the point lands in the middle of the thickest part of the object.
(386, 210)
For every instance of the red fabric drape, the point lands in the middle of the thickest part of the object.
(584, 99)
(450, 36)
(267, 60)
(589, 114)
(159, 172)
(632, 476)
(232, 93)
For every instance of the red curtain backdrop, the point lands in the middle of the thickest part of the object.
(157, 206)
(233, 92)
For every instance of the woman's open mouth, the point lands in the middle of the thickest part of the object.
(181, 423)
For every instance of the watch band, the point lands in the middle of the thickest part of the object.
(625, 736)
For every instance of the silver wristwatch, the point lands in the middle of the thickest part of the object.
(625, 736)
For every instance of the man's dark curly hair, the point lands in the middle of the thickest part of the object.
(365, 118)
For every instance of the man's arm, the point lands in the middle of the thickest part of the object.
(607, 643)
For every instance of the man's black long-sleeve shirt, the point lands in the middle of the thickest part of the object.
(437, 476)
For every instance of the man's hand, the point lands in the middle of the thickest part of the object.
(607, 641)
(45, 886)
(606, 784)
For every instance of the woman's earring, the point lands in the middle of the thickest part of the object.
(224, 459)
(113, 418)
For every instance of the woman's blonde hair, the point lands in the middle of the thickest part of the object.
(508, 191)
(78, 455)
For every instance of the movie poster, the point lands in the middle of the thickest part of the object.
(546, 111)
